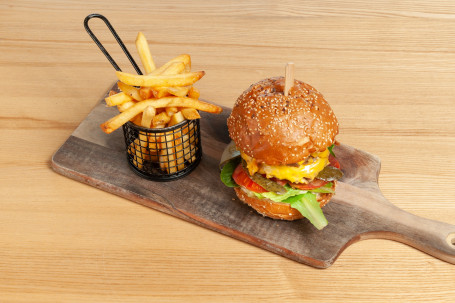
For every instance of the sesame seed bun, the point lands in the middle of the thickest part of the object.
(276, 129)
(277, 210)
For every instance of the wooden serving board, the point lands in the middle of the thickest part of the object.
(358, 210)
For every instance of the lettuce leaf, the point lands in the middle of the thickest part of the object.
(304, 201)
(330, 148)
(309, 207)
(228, 170)
(280, 198)
(326, 189)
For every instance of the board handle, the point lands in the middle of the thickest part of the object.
(432, 237)
(390, 222)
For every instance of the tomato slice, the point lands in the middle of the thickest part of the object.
(316, 183)
(241, 177)
(334, 162)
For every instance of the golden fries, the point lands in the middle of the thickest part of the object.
(160, 119)
(138, 149)
(147, 116)
(190, 114)
(124, 106)
(137, 119)
(146, 93)
(194, 93)
(161, 92)
(179, 154)
(186, 59)
(117, 99)
(163, 97)
(160, 80)
(117, 121)
(144, 52)
(174, 68)
(178, 91)
(131, 91)
(167, 161)
(191, 156)
(176, 119)
(171, 110)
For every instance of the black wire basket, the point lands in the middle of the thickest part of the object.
(163, 154)
(160, 154)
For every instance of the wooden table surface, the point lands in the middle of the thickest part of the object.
(387, 68)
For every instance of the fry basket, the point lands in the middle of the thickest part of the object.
(163, 154)
(159, 154)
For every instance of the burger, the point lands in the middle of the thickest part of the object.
(280, 161)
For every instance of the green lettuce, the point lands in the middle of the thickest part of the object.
(228, 170)
(330, 148)
(309, 207)
(326, 189)
(304, 201)
(279, 198)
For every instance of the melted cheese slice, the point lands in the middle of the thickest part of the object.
(296, 174)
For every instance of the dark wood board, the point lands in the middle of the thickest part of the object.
(358, 210)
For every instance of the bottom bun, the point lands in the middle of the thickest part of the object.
(277, 210)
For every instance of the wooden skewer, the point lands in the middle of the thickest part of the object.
(289, 78)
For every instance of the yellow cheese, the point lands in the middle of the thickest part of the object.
(251, 163)
(295, 174)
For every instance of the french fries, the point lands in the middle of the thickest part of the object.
(167, 160)
(161, 119)
(178, 91)
(147, 116)
(138, 148)
(160, 80)
(163, 97)
(193, 93)
(137, 119)
(161, 92)
(174, 68)
(179, 154)
(186, 59)
(146, 93)
(124, 106)
(144, 52)
(131, 91)
(190, 114)
(176, 119)
(114, 123)
(171, 110)
(117, 99)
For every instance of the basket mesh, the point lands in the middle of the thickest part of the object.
(163, 154)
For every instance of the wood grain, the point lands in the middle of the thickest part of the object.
(386, 67)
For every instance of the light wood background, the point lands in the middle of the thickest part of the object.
(386, 67)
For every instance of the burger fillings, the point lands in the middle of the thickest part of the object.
(283, 166)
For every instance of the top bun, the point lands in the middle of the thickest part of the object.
(276, 129)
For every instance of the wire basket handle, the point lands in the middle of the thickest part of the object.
(116, 36)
